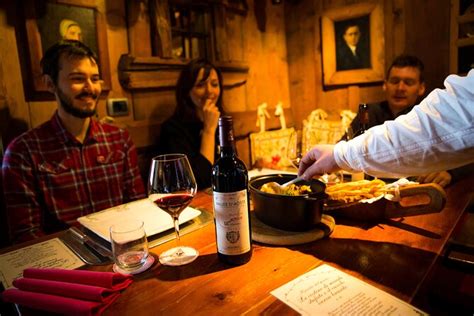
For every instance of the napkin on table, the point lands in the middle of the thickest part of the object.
(72, 292)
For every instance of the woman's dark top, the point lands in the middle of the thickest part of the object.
(185, 138)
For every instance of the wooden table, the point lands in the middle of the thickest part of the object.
(394, 256)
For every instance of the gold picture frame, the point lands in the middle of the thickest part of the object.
(369, 18)
(43, 28)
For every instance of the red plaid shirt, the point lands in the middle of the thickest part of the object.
(50, 179)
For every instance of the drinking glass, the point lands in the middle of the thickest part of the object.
(293, 150)
(129, 245)
(171, 186)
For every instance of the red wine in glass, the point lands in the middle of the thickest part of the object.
(174, 204)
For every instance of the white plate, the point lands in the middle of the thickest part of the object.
(156, 220)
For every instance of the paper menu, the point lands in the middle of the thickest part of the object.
(52, 253)
(155, 219)
(328, 291)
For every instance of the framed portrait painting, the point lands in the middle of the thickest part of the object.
(49, 21)
(353, 46)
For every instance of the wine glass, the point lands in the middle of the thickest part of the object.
(293, 150)
(171, 186)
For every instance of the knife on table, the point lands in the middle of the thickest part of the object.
(86, 240)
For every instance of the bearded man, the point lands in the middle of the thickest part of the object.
(71, 165)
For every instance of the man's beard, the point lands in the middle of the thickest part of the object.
(67, 104)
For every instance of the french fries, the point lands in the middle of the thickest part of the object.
(356, 190)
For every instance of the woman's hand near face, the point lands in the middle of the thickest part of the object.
(211, 119)
(211, 116)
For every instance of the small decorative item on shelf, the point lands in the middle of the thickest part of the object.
(317, 129)
(262, 115)
(280, 114)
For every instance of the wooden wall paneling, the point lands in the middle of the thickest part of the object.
(160, 29)
(371, 94)
(304, 57)
(139, 28)
(251, 41)
(453, 36)
(333, 101)
(318, 66)
(14, 112)
(274, 84)
(427, 38)
(220, 33)
(154, 105)
(234, 36)
(234, 99)
(389, 30)
(116, 17)
(41, 112)
(353, 98)
(398, 30)
(144, 133)
(230, 47)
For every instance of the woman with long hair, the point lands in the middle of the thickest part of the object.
(192, 128)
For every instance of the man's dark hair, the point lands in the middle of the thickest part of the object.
(408, 61)
(348, 25)
(68, 48)
(185, 108)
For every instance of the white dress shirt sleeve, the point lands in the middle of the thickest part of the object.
(438, 134)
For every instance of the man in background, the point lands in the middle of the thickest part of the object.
(71, 165)
(350, 54)
(403, 86)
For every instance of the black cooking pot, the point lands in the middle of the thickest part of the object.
(291, 213)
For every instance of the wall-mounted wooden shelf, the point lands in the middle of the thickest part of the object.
(161, 73)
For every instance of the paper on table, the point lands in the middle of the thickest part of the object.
(155, 219)
(326, 290)
(52, 253)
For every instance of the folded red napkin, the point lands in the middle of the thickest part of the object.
(72, 292)
(110, 280)
(54, 303)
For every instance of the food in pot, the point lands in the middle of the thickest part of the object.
(356, 190)
(292, 189)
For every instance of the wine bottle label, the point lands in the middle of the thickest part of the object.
(232, 222)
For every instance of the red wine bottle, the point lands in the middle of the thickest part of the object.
(231, 202)
(363, 119)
